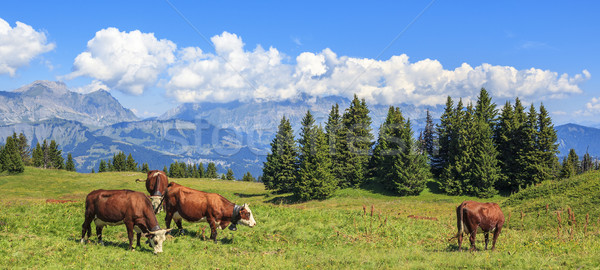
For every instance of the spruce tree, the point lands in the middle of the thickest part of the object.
(145, 168)
(399, 167)
(70, 165)
(211, 171)
(444, 132)
(429, 137)
(10, 157)
(23, 148)
(503, 135)
(357, 123)
(102, 166)
(315, 180)
(547, 145)
(119, 162)
(452, 179)
(37, 157)
(229, 175)
(130, 163)
(201, 173)
(55, 156)
(165, 170)
(280, 171)
(586, 163)
(484, 171)
(335, 141)
(183, 170)
(248, 177)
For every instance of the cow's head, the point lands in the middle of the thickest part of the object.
(157, 238)
(246, 217)
(156, 203)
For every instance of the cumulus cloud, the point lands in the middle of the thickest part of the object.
(133, 61)
(233, 73)
(591, 108)
(125, 61)
(19, 45)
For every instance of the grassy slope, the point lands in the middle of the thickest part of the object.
(335, 233)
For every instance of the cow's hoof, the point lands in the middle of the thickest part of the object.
(232, 227)
(82, 241)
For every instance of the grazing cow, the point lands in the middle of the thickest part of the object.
(196, 206)
(116, 207)
(471, 215)
(156, 184)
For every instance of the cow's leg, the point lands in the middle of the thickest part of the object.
(130, 234)
(487, 239)
(472, 239)
(86, 228)
(460, 239)
(496, 233)
(168, 218)
(213, 228)
(99, 234)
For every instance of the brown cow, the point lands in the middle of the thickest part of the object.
(196, 206)
(471, 215)
(156, 184)
(116, 207)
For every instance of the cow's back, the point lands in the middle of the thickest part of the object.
(115, 205)
(192, 204)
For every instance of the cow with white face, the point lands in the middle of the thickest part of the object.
(196, 206)
(117, 207)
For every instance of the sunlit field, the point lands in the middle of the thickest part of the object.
(355, 229)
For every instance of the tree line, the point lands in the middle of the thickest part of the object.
(15, 154)
(474, 150)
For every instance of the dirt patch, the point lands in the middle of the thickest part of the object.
(59, 201)
(420, 217)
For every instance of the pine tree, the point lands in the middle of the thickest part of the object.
(586, 163)
(166, 170)
(145, 167)
(280, 171)
(444, 132)
(70, 165)
(195, 171)
(357, 123)
(10, 157)
(547, 145)
(530, 167)
(119, 162)
(201, 173)
(335, 140)
(183, 170)
(23, 148)
(314, 176)
(102, 166)
(229, 175)
(93, 170)
(211, 170)
(248, 177)
(55, 156)
(130, 163)
(38, 156)
(457, 148)
(570, 165)
(190, 170)
(484, 171)
(503, 135)
(399, 166)
(429, 137)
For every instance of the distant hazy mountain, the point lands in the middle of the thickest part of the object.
(43, 100)
(580, 138)
(233, 135)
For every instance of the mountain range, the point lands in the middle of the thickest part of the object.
(234, 135)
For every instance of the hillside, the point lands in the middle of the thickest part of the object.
(580, 193)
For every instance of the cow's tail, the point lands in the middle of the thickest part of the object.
(139, 180)
(459, 219)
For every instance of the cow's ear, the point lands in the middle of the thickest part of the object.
(245, 205)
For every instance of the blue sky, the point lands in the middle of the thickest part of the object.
(153, 55)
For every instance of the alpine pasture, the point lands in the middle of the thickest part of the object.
(555, 225)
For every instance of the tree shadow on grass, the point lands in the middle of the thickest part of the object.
(244, 195)
(286, 199)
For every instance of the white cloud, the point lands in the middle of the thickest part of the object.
(125, 61)
(19, 45)
(234, 73)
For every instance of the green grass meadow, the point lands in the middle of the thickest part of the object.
(355, 229)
